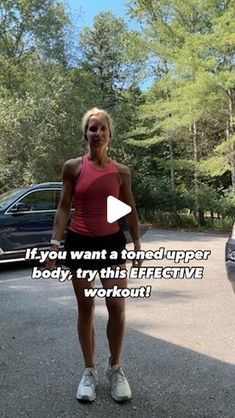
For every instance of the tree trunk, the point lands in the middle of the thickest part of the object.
(193, 130)
(201, 217)
(212, 215)
(171, 149)
(229, 133)
(170, 143)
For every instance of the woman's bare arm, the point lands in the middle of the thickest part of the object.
(67, 193)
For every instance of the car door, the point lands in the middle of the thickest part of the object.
(29, 221)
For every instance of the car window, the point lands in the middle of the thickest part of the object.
(57, 197)
(5, 197)
(41, 200)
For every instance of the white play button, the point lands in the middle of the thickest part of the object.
(116, 209)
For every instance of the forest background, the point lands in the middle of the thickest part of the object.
(177, 135)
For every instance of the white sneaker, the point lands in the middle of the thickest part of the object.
(120, 388)
(87, 385)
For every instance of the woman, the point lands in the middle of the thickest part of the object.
(90, 180)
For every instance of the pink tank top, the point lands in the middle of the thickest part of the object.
(92, 188)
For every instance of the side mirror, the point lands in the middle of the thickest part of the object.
(20, 207)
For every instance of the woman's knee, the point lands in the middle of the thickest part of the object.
(116, 307)
(86, 307)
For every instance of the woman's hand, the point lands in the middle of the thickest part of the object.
(137, 247)
(51, 264)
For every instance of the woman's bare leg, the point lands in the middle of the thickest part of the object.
(116, 320)
(85, 324)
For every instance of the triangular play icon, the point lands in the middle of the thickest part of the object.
(116, 209)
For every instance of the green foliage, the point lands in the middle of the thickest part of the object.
(224, 224)
(109, 51)
(226, 204)
(191, 103)
(30, 25)
(214, 166)
(111, 54)
(177, 136)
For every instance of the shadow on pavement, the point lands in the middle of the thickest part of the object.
(41, 365)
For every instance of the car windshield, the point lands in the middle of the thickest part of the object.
(5, 197)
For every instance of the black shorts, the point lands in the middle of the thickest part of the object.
(78, 242)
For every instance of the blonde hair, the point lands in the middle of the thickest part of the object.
(94, 112)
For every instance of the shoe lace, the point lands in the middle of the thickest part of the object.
(88, 379)
(119, 376)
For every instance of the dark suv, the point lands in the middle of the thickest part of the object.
(26, 219)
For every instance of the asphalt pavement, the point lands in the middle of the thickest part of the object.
(178, 353)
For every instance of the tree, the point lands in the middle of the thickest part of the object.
(26, 25)
(187, 41)
(42, 99)
(113, 56)
(30, 30)
(109, 52)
